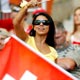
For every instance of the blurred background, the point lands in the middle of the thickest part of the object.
(60, 10)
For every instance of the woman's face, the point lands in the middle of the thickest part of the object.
(77, 17)
(41, 25)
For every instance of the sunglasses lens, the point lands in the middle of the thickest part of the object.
(37, 22)
(45, 22)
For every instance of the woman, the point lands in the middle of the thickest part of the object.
(41, 36)
(75, 36)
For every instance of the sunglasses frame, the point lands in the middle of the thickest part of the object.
(44, 22)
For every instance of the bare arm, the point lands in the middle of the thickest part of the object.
(18, 27)
(66, 63)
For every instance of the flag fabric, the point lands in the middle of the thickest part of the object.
(19, 61)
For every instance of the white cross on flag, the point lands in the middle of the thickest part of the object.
(19, 61)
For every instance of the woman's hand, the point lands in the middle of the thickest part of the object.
(23, 3)
(31, 3)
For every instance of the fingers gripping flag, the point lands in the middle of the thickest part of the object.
(18, 61)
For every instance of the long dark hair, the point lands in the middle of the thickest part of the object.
(50, 37)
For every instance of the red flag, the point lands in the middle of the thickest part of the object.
(21, 62)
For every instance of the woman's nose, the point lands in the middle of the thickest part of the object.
(41, 23)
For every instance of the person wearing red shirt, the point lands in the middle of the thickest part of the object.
(6, 23)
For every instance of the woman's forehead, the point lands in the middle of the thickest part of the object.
(41, 17)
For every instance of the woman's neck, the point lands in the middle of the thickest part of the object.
(77, 33)
(78, 28)
(40, 39)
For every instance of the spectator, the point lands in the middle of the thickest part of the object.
(75, 35)
(40, 38)
(8, 23)
(69, 55)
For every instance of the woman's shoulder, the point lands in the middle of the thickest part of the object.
(53, 50)
(30, 38)
(53, 54)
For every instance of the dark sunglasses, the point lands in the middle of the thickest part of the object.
(44, 22)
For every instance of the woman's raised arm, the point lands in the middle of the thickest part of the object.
(18, 27)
